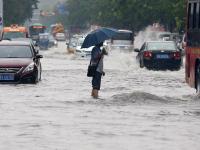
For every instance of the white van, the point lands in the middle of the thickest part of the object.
(124, 40)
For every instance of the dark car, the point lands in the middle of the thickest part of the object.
(19, 62)
(43, 42)
(159, 55)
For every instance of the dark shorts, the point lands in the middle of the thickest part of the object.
(96, 81)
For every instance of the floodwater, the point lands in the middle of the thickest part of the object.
(138, 109)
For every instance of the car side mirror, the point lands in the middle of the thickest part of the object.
(137, 50)
(35, 43)
(37, 50)
(38, 56)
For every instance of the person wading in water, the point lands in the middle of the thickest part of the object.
(97, 59)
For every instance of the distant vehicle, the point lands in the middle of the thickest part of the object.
(124, 40)
(168, 36)
(43, 41)
(192, 45)
(183, 42)
(14, 31)
(19, 63)
(159, 55)
(57, 28)
(35, 30)
(60, 37)
(82, 52)
(52, 41)
(164, 36)
(72, 44)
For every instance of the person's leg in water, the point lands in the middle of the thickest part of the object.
(96, 84)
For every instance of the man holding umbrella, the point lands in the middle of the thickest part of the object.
(97, 60)
(96, 38)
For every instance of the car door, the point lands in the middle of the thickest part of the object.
(141, 52)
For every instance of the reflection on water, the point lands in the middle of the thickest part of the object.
(138, 109)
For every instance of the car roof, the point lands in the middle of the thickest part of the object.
(22, 39)
(15, 29)
(161, 33)
(159, 41)
(125, 31)
(44, 34)
(60, 33)
(14, 43)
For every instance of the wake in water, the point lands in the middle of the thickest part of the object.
(123, 61)
(138, 97)
(147, 98)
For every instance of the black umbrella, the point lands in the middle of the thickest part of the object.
(98, 36)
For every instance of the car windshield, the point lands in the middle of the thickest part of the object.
(15, 52)
(10, 35)
(161, 46)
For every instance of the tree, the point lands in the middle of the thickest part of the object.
(18, 11)
(130, 14)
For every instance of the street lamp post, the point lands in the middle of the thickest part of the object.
(1, 14)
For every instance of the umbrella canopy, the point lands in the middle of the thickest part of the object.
(98, 36)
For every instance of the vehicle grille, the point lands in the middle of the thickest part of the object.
(9, 70)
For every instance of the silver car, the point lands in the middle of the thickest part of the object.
(60, 37)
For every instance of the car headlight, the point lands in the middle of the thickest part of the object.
(29, 68)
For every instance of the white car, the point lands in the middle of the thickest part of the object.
(60, 37)
(83, 52)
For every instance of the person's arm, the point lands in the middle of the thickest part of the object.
(96, 55)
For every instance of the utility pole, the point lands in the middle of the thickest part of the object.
(1, 14)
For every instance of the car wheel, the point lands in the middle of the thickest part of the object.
(176, 68)
(40, 73)
(198, 78)
(35, 79)
(141, 65)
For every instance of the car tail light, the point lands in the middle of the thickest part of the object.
(147, 54)
(177, 55)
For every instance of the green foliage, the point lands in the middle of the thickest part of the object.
(18, 11)
(131, 14)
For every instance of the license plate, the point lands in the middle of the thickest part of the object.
(165, 56)
(6, 77)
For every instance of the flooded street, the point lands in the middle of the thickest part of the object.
(138, 109)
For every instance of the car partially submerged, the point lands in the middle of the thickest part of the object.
(14, 31)
(82, 52)
(19, 62)
(123, 40)
(159, 55)
(60, 37)
(43, 42)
